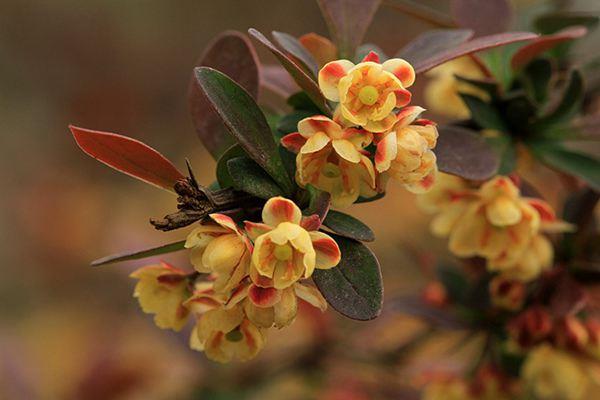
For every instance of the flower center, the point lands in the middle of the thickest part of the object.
(331, 170)
(368, 95)
(283, 252)
(234, 335)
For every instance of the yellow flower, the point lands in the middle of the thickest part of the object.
(552, 374)
(593, 346)
(447, 389)
(161, 290)
(448, 199)
(441, 91)
(220, 247)
(331, 159)
(267, 306)
(499, 224)
(405, 151)
(284, 250)
(369, 91)
(226, 334)
(535, 258)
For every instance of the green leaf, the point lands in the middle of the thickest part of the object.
(294, 48)
(484, 114)
(229, 45)
(301, 102)
(354, 288)
(577, 164)
(554, 22)
(249, 177)
(138, 254)
(463, 152)
(519, 111)
(348, 226)
(245, 121)
(568, 107)
(430, 43)
(303, 80)
(455, 283)
(370, 199)
(536, 79)
(505, 148)
(223, 178)
(319, 202)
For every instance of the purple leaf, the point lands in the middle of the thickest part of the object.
(483, 17)
(544, 43)
(430, 43)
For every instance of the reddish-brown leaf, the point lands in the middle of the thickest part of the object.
(544, 43)
(483, 17)
(473, 46)
(305, 82)
(233, 54)
(348, 21)
(128, 156)
(430, 43)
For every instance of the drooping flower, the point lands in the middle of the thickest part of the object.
(161, 290)
(267, 306)
(226, 334)
(441, 92)
(220, 247)
(405, 151)
(286, 247)
(552, 374)
(369, 91)
(331, 159)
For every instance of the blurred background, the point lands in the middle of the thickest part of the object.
(69, 331)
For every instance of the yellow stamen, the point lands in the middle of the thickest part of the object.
(283, 252)
(368, 95)
(331, 170)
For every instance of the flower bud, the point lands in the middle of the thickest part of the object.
(506, 293)
(435, 294)
(570, 333)
(530, 327)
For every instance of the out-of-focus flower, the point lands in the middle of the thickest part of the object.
(442, 90)
(220, 247)
(491, 384)
(286, 247)
(552, 374)
(161, 290)
(448, 199)
(506, 293)
(593, 329)
(435, 294)
(405, 151)
(369, 91)
(447, 389)
(331, 159)
(534, 259)
(322, 49)
(225, 334)
(530, 327)
(267, 306)
(570, 333)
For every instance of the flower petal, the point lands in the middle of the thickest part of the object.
(315, 143)
(286, 309)
(327, 250)
(263, 297)
(408, 115)
(293, 142)
(346, 150)
(402, 70)
(278, 210)
(255, 229)
(319, 123)
(387, 150)
(372, 56)
(311, 295)
(330, 75)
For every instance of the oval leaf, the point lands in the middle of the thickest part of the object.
(484, 17)
(305, 82)
(542, 44)
(354, 288)
(245, 121)
(568, 107)
(348, 21)
(128, 156)
(348, 226)
(463, 152)
(481, 43)
(430, 43)
(233, 54)
(571, 162)
(485, 114)
(294, 48)
(139, 254)
(223, 178)
(249, 177)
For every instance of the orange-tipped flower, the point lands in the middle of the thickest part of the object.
(161, 290)
(331, 159)
(369, 91)
(286, 248)
(220, 247)
(405, 151)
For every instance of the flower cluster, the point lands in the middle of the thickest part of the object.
(254, 279)
(374, 135)
(496, 223)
